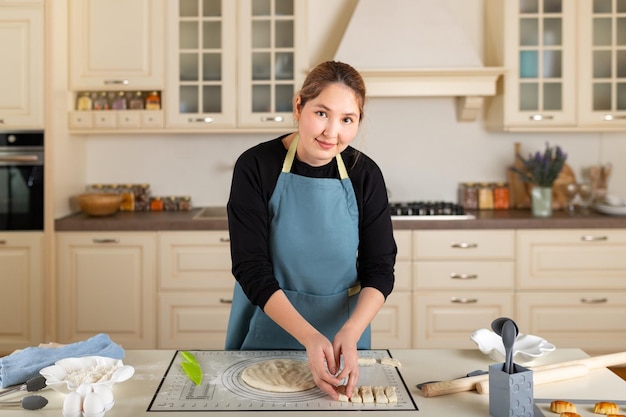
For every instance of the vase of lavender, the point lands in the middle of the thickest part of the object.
(541, 170)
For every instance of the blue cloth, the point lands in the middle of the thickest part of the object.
(19, 367)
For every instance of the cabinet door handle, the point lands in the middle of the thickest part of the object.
(609, 117)
(3, 242)
(540, 117)
(589, 238)
(1, 121)
(463, 300)
(589, 300)
(272, 119)
(224, 240)
(463, 276)
(100, 241)
(116, 82)
(226, 301)
(200, 120)
(464, 245)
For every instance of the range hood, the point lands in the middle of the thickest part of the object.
(416, 48)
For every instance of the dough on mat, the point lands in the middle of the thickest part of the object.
(279, 375)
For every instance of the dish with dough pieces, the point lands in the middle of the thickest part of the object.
(605, 407)
(279, 375)
(559, 406)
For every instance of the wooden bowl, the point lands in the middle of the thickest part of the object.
(100, 204)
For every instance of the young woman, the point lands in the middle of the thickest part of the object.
(311, 236)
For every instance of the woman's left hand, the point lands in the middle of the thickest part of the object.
(344, 345)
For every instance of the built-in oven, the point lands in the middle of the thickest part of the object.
(21, 181)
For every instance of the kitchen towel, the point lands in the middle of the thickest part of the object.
(19, 367)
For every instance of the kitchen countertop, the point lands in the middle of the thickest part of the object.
(485, 219)
(133, 397)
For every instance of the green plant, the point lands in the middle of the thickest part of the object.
(542, 169)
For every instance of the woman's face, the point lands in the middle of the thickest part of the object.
(327, 124)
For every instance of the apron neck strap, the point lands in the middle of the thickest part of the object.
(291, 154)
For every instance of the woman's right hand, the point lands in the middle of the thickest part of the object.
(322, 364)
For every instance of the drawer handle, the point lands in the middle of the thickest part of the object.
(3, 242)
(272, 119)
(116, 82)
(589, 238)
(201, 120)
(106, 241)
(540, 117)
(224, 239)
(463, 276)
(609, 117)
(589, 300)
(226, 301)
(463, 300)
(464, 245)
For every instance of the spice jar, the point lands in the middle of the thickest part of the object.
(468, 195)
(142, 197)
(485, 196)
(184, 203)
(169, 204)
(501, 196)
(156, 204)
(128, 198)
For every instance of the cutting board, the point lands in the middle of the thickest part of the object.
(520, 190)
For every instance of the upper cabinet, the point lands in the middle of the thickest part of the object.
(116, 44)
(234, 64)
(565, 64)
(22, 68)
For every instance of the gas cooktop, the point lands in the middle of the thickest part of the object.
(428, 210)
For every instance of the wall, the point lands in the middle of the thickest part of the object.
(423, 151)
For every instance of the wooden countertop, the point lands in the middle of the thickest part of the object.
(486, 219)
(133, 397)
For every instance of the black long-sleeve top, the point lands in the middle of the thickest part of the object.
(254, 179)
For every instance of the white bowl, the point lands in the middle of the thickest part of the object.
(526, 349)
(66, 375)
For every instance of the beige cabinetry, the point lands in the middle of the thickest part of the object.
(22, 69)
(462, 280)
(391, 328)
(107, 283)
(572, 287)
(195, 289)
(565, 64)
(21, 280)
(233, 64)
(115, 46)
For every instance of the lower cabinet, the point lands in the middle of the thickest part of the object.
(107, 283)
(21, 280)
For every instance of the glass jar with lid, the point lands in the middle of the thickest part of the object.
(485, 196)
(468, 195)
(501, 196)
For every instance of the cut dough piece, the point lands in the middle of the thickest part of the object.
(366, 394)
(390, 362)
(390, 392)
(366, 361)
(379, 395)
(356, 397)
(341, 394)
(279, 375)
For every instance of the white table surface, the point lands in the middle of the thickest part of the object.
(133, 397)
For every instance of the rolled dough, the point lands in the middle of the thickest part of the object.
(279, 375)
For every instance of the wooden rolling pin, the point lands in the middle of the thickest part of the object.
(545, 376)
(469, 383)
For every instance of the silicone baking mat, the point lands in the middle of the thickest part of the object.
(222, 388)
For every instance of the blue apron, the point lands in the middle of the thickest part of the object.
(314, 239)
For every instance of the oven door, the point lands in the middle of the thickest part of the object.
(21, 190)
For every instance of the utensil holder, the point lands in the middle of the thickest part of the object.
(510, 395)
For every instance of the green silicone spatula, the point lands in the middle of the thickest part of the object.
(191, 367)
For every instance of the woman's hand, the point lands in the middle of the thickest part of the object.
(344, 346)
(323, 363)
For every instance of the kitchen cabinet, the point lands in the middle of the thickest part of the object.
(107, 283)
(572, 287)
(462, 280)
(392, 328)
(195, 289)
(22, 69)
(565, 61)
(21, 278)
(234, 64)
(116, 45)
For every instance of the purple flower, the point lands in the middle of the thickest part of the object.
(542, 169)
